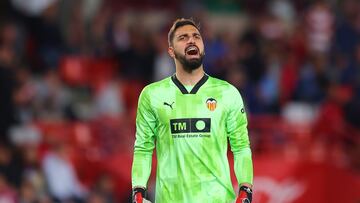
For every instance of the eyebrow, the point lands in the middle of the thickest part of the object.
(187, 34)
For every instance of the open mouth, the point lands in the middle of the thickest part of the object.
(192, 50)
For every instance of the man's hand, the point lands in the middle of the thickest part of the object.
(139, 195)
(245, 195)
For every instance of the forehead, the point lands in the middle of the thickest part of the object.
(186, 29)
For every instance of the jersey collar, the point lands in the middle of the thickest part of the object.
(194, 89)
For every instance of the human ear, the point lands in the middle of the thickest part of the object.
(171, 52)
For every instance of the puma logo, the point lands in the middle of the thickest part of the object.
(170, 105)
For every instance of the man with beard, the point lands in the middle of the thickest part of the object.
(189, 117)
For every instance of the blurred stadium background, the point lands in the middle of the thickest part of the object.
(71, 72)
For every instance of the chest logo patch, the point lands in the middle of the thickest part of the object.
(169, 105)
(211, 104)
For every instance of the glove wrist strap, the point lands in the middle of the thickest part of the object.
(142, 190)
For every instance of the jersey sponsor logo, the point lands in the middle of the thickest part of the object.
(170, 105)
(190, 125)
(211, 104)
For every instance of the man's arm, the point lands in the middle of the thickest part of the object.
(144, 143)
(239, 141)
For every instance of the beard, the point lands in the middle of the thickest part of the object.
(189, 64)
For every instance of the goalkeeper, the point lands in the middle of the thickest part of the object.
(190, 117)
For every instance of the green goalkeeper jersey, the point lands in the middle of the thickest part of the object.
(190, 128)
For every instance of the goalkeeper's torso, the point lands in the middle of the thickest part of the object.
(191, 140)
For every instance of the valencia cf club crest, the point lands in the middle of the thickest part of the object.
(211, 104)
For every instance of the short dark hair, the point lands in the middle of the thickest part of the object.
(179, 23)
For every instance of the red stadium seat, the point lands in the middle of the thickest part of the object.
(101, 71)
(131, 90)
(86, 71)
(73, 70)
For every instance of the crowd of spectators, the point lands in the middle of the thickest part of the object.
(80, 65)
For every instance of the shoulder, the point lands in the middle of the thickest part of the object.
(223, 85)
(158, 86)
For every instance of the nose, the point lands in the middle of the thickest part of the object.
(191, 40)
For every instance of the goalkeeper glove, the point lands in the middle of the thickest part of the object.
(245, 195)
(139, 195)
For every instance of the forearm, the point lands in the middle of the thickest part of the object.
(141, 168)
(243, 167)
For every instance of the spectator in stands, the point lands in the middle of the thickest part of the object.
(52, 99)
(313, 79)
(60, 175)
(217, 51)
(108, 101)
(104, 190)
(347, 31)
(99, 39)
(319, 27)
(24, 95)
(27, 193)
(163, 65)
(33, 178)
(7, 193)
(75, 28)
(249, 55)
(352, 109)
(11, 165)
(7, 89)
(96, 198)
(137, 62)
(268, 86)
(236, 76)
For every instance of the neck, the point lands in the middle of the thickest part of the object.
(191, 78)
